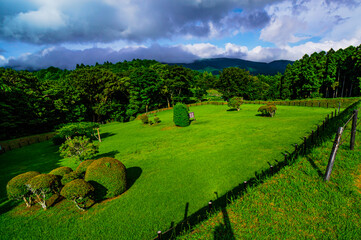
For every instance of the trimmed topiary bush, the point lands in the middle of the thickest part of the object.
(61, 171)
(268, 110)
(156, 120)
(16, 188)
(70, 177)
(108, 176)
(80, 192)
(83, 166)
(144, 118)
(235, 103)
(43, 186)
(181, 115)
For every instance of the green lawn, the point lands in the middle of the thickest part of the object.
(296, 203)
(168, 168)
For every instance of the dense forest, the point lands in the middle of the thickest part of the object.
(35, 102)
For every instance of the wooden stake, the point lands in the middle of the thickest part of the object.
(333, 154)
(353, 130)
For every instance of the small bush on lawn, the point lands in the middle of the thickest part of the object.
(181, 115)
(144, 118)
(235, 103)
(43, 186)
(80, 192)
(70, 177)
(108, 176)
(79, 147)
(81, 169)
(61, 171)
(268, 110)
(17, 190)
(156, 120)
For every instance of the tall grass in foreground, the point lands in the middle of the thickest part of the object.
(296, 203)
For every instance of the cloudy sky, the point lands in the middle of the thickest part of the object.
(62, 33)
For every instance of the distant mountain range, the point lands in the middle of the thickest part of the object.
(215, 65)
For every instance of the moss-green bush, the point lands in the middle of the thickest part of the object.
(268, 110)
(83, 166)
(43, 186)
(70, 177)
(235, 103)
(181, 115)
(16, 188)
(144, 118)
(78, 191)
(47, 183)
(61, 171)
(108, 176)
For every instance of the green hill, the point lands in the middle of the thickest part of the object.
(215, 65)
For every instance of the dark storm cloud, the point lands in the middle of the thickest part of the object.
(64, 58)
(44, 22)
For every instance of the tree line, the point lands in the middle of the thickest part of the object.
(34, 102)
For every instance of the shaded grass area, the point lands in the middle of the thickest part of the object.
(296, 203)
(173, 172)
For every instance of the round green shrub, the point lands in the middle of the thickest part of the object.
(61, 171)
(78, 191)
(16, 188)
(70, 177)
(181, 115)
(44, 183)
(108, 176)
(83, 166)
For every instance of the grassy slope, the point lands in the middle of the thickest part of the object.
(168, 168)
(296, 203)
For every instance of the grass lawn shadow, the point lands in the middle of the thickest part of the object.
(108, 154)
(106, 134)
(133, 173)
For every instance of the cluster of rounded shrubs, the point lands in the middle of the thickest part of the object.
(93, 180)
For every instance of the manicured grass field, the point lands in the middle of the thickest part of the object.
(168, 168)
(296, 203)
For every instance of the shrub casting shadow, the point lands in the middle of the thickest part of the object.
(100, 191)
(133, 173)
(8, 206)
(105, 135)
(108, 154)
(232, 110)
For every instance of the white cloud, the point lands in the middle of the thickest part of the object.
(293, 21)
(3, 61)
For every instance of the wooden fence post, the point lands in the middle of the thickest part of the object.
(353, 130)
(333, 154)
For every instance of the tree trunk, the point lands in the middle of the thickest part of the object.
(77, 205)
(26, 202)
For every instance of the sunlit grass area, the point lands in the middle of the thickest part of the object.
(169, 168)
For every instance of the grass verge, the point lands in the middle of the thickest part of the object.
(296, 203)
